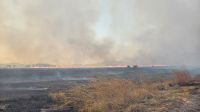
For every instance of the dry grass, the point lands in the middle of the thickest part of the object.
(105, 96)
(182, 76)
(121, 95)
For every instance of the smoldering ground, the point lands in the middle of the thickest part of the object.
(62, 32)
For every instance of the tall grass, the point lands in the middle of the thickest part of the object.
(108, 95)
(123, 95)
(182, 76)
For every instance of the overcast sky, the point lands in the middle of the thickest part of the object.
(100, 32)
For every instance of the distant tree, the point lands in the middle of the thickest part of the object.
(128, 66)
(8, 66)
(135, 66)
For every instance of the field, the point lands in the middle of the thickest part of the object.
(99, 90)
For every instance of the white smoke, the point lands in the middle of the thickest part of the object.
(62, 32)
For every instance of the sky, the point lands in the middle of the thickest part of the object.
(100, 32)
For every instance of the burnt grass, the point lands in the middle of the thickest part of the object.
(21, 100)
(16, 98)
(32, 104)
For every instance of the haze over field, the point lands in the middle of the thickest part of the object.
(100, 32)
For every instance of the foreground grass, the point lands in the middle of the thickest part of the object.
(120, 95)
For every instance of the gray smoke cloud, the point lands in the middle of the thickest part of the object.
(166, 31)
(57, 32)
(62, 32)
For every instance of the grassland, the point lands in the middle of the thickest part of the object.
(124, 95)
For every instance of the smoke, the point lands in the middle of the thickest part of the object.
(57, 32)
(164, 31)
(62, 32)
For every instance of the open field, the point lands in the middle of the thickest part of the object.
(99, 56)
(122, 95)
(122, 90)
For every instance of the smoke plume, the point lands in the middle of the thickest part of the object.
(163, 31)
(63, 32)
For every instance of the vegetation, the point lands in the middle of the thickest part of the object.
(122, 95)
(105, 95)
(182, 76)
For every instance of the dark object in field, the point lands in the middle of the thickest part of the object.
(190, 83)
(69, 109)
(134, 66)
(128, 66)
